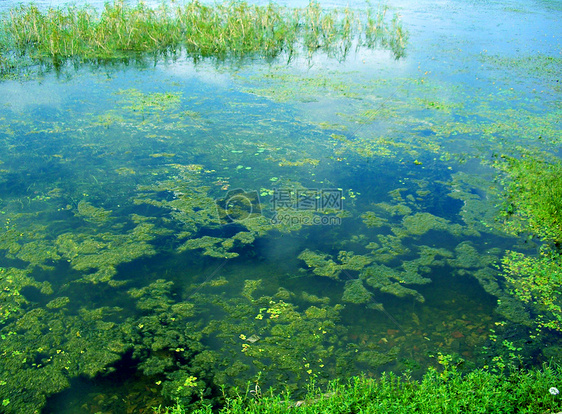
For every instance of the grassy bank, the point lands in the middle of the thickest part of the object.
(448, 391)
(230, 29)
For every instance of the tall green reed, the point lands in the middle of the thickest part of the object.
(234, 28)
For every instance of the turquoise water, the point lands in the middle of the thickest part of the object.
(173, 227)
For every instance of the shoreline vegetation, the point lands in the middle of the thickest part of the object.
(440, 391)
(233, 29)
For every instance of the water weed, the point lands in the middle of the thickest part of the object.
(533, 208)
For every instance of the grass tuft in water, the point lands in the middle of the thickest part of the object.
(230, 29)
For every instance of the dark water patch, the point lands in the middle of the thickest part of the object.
(446, 286)
(121, 389)
(282, 250)
(57, 274)
(46, 113)
(444, 206)
(15, 184)
(34, 295)
(86, 296)
(8, 262)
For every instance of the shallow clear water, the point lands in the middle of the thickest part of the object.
(359, 234)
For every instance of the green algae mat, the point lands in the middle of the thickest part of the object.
(194, 197)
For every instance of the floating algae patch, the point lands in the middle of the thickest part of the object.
(401, 128)
(92, 214)
(45, 348)
(250, 286)
(395, 209)
(211, 246)
(371, 219)
(28, 242)
(269, 336)
(391, 281)
(389, 248)
(137, 101)
(355, 292)
(480, 202)
(324, 265)
(97, 255)
(321, 264)
(393, 264)
(385, 285)
(420, 223)
(165, 338)
(190, 205)
(307, 297)
(285, 86)
(497, 123)
(13, 302)
(539, 66)
(466, 256)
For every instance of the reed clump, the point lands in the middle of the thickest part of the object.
(230, 29)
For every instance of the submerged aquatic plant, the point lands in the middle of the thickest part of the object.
(534, 196)
(534, 207)
(230, 29)
(537, 281)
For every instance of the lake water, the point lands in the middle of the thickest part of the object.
(172, 226)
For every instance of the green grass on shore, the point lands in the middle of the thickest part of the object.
(479, 391)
